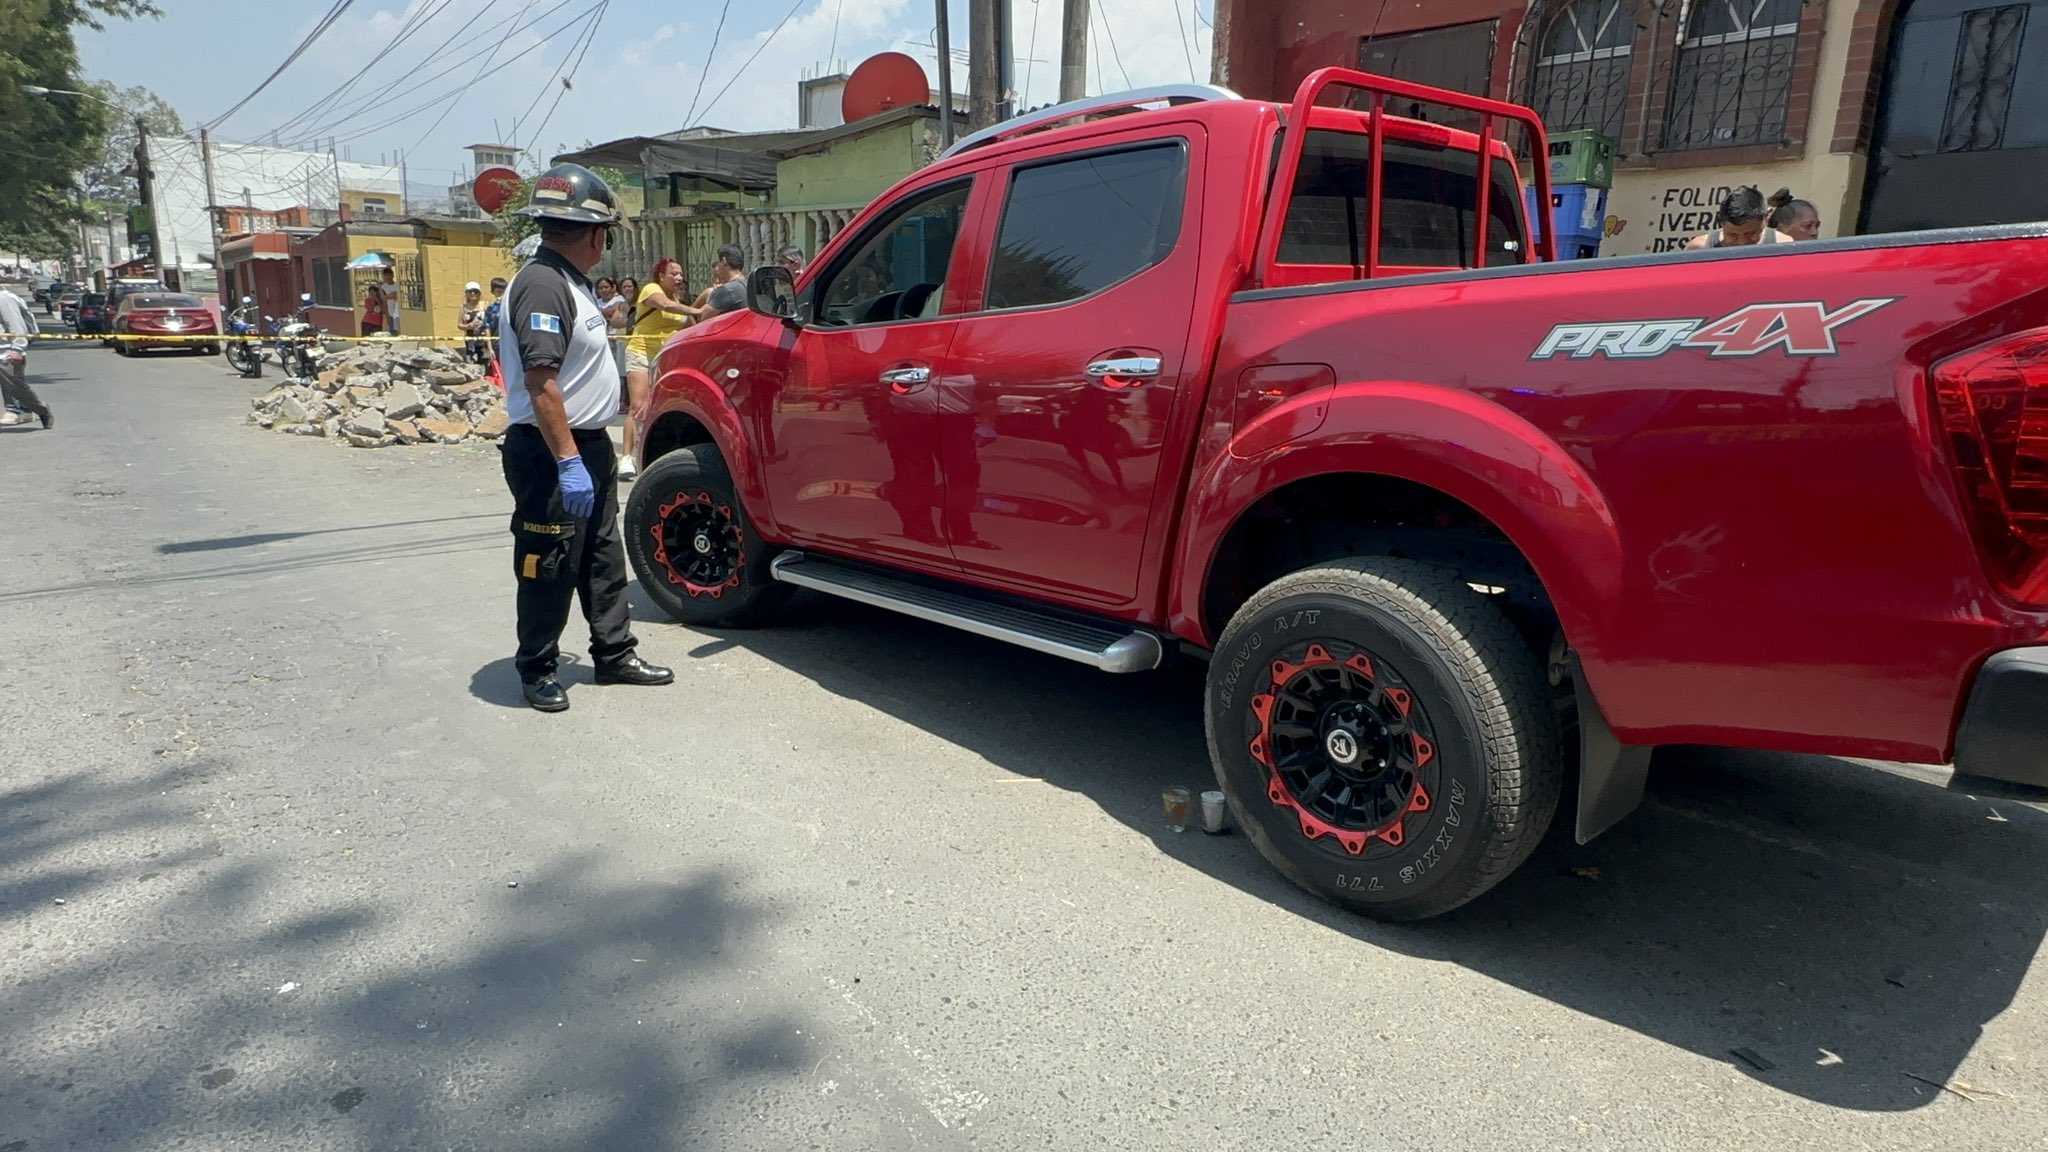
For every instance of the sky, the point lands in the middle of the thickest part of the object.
(427, 77)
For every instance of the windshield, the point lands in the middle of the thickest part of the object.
(166, 302)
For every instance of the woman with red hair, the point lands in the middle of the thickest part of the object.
(658, 314)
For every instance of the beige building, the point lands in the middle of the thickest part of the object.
(1885, 114)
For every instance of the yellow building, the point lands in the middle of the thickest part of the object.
(431, 258)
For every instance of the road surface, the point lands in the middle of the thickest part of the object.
(283, 863)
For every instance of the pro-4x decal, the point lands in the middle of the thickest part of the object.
(1799, 328)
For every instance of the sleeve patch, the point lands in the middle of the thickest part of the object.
(543, 322)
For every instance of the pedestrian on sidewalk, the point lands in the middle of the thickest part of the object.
(389, 287)
(728, 291)
(471, 321)
(658, 313)
(561, 393)
(20, 323)
(373, 311)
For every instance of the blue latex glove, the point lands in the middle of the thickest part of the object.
(579, 495)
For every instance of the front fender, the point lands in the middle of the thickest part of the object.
(685, 391)
(1448, 439)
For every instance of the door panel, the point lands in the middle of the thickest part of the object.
(1056, 472)
(853, 466)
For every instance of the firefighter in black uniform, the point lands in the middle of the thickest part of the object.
(561, 391)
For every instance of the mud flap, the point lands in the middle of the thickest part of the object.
(1611, 774)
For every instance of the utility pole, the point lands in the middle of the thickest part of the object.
(401, 186)
(945, 38)
(1006, 58)
(1074, 51)
(145, 181)
(212, 201)
(984, 77)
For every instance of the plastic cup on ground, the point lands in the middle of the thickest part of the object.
(1214, 811)
(1179, 804)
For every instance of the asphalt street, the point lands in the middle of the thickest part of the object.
(284, 864)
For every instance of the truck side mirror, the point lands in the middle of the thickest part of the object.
(771, 291)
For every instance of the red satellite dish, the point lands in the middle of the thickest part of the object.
(493, 187)
(882, 82)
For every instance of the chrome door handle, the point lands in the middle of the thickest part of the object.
(907, 377)
(1127, 367)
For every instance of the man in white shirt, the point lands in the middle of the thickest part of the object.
(19, 323)
(561, 393)
(389, 288)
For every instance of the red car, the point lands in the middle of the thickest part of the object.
(1288, 388)
(148, 320)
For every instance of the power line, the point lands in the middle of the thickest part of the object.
(589, 38)
(365, 106)
(420, 18)
(326, 22)
(542, 94)
(481, 69)
(1184, 49)
(1102, 10)
(1031, 52)
(751, 59)
(445, 101)
(691, 117)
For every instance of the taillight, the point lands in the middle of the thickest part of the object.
(1994, 410)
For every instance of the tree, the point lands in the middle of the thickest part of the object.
(47, 141)
(514, 227)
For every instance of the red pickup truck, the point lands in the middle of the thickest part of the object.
(1294, 390)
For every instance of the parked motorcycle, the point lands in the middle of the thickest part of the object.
(296, 340)
(244, 355)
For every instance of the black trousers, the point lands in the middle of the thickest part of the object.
(14, 386)
(556, 557)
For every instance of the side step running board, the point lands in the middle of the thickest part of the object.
(1110, 648)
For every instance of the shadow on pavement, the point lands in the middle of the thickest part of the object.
(180, 999)
(1797, 908)
(256, 539)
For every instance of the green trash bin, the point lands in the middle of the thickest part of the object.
(1582, 157)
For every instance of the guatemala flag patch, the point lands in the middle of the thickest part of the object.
(543, 322)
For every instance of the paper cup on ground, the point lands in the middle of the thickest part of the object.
(1214, 811)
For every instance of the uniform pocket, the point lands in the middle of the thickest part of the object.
(541, 549)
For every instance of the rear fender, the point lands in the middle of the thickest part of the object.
(1450, 440)
(1488, 458)
(687, 392)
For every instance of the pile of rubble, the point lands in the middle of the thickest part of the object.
(372, 396)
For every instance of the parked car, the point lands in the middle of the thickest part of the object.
(146, 320)
(1453, 527)
(50, 293)
(91, 315)
(67, 305)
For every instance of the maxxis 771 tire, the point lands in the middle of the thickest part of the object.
(1384, 735)
(692, 545)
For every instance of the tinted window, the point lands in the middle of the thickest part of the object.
(1427, 216)
(1073, 227)
(144, 301)
(899, 271)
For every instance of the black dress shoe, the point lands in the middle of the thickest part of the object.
(545, 694)
(43, 414)
(632, 670)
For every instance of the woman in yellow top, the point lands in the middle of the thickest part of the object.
(658, 314)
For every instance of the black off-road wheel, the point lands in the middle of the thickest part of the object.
(692, 546)
(1384, 736)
